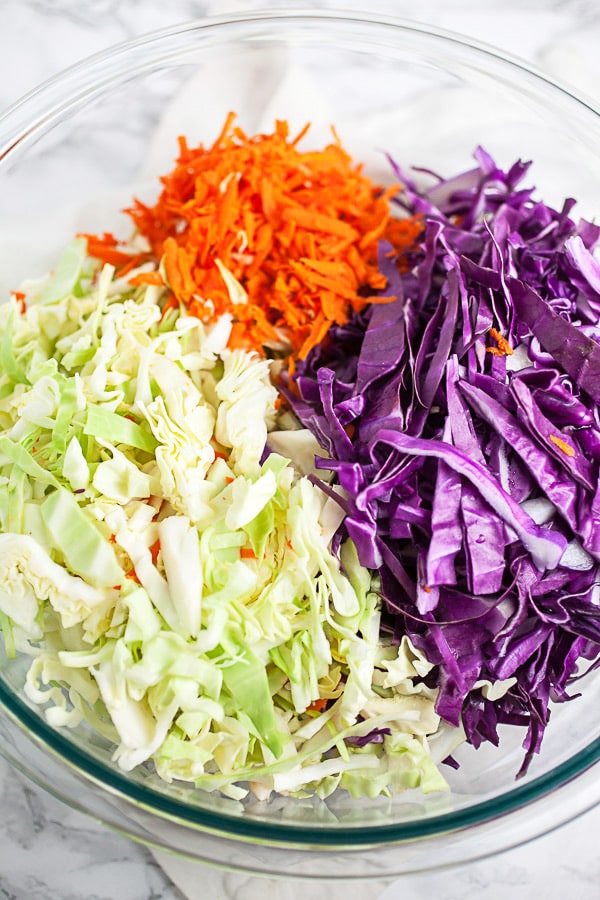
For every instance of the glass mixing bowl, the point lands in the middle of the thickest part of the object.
(72, 153)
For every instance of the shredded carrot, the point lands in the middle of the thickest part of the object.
(171, 303)
(155, 550)
(237, 338)
(318, 705)
(248, 553)
(562, 445)
(503, 348)
(146, 278)
(297, 230)
(133, 262)
(21, 300)
(106, 249)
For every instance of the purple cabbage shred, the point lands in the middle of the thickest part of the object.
(462, 420)
(375, 736)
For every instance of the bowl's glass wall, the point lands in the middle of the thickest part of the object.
(75, 152)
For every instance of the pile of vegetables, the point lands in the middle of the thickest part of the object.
(299, 484)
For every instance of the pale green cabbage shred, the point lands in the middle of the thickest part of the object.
(174, 591)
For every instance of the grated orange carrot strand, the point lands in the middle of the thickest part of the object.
(567, 449)
(298, 230)
(154, 278)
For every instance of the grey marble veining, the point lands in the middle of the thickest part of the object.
(50, 851)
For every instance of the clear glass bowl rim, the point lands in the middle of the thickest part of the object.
(32, 116)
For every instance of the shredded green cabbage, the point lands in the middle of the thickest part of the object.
(172, 579)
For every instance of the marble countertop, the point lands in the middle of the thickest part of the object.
(48, 850)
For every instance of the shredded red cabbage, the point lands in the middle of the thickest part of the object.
(376, 736)
(462, 421)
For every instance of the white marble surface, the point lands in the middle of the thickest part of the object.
(47, 850)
